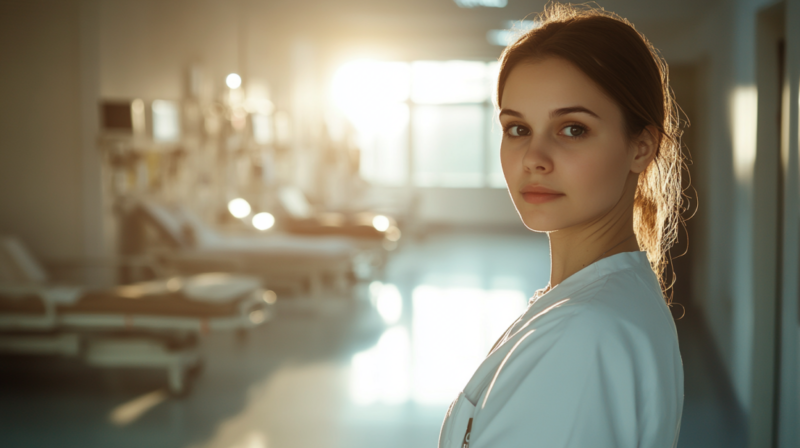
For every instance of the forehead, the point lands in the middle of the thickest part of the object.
(553, 83)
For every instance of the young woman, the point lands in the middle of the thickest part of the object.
(591, 155)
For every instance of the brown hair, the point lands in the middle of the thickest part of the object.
(609, 50)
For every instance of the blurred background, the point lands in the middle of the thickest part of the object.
(270, 223)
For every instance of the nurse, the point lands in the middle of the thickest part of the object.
(591, 156)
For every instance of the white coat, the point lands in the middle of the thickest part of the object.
(592, 363)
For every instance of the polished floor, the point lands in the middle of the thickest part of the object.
(377, 370)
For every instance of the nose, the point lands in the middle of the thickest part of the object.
(537, 158)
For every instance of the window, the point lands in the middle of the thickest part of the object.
(424, 123)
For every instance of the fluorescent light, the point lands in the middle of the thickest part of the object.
(516, 28)
(484, 3)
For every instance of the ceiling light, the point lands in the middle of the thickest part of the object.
(239, 208)
(516, 28)
(380, 222)
(234, 81)
(263, 221)
(484, 3)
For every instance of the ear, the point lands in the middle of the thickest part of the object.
(645, 145)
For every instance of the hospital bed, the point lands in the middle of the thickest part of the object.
(155, 324)
(299, 216)
(186, 244)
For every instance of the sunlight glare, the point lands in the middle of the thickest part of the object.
(360, 86)
(381, 374)
(451, 332)
(442, 82)
(390, 304)
(744, 122)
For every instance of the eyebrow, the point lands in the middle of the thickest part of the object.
(572, 110)
(554, 113)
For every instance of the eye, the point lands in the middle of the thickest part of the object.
(516, 130)
(573, 130)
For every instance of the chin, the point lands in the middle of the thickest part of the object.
(540, 223)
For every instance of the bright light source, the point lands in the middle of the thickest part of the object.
(484, 3)
(381, 223)
(439, 82)
(516, 29)
(233, 81)
(239, 208)
(361, 86)
(263, 221)
(743, 123)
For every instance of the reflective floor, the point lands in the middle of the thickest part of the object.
(377, 371)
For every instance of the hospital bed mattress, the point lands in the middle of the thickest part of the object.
(148, 324)
(200, 303)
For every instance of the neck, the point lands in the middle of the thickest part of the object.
(575, 248)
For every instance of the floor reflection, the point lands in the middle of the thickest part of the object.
(430, 360)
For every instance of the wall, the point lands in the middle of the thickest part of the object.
(789, 324)
(736, 159)
(49, 171)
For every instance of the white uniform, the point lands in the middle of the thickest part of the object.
(592, 363)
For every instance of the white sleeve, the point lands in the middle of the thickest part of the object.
(570, 385)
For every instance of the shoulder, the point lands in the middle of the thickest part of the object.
(628, 300)
(619, 315)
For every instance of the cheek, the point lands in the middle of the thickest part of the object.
(597, 178)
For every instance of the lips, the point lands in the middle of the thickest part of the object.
(536, 194)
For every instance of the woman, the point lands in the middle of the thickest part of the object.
(591, 155)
